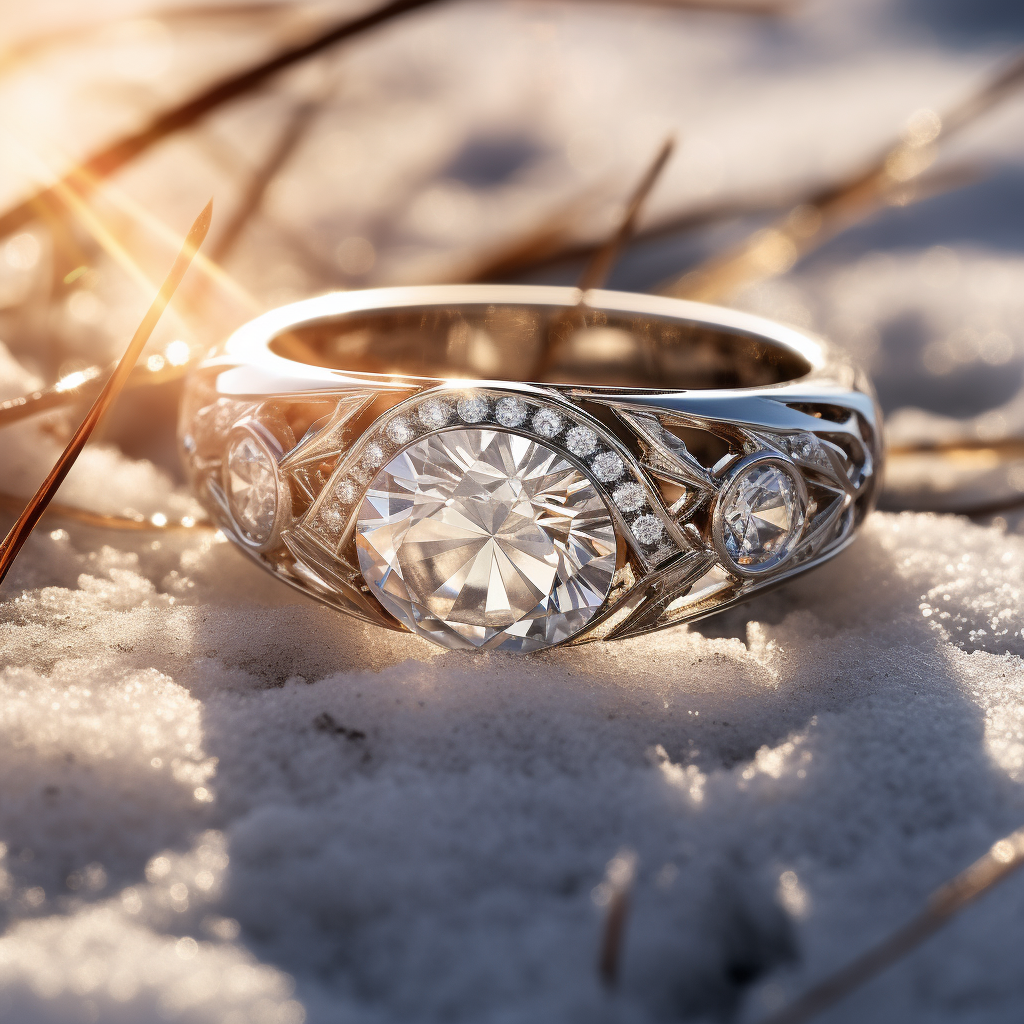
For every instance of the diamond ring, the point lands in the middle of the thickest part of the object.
(381, 451)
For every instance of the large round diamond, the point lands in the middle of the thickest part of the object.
(250, 480)
(484, 538)
(761, 516)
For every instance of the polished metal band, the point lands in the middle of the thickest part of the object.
(668, 460)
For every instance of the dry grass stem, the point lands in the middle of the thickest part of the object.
(549, 245)
(617, 889)
(889, 179)
(115, 155)
(546, 242)
(295, 130)
(84, 385)
(771, 8)
(36, 45)
(1005, 857)
(979, 510)
(19, 533)
(965, 454)
(600, 266)
(1004, 448)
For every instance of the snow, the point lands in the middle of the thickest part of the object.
(220, 802)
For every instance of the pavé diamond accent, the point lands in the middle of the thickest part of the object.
(630, 496)
(373, 455)
(250, 480)
(347, 491)
(607, 467)
(483, 538)
(511, 411)
(581, 441)
(547, 423)
(761, 516)
(648, 529)
(434, 413)
(400, 430)
(473, 409)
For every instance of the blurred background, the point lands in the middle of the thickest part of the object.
(854, 168)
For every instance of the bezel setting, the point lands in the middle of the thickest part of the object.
(253, 433)
(739, 474)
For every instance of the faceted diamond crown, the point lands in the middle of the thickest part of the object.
(483, 538)
(250, 481)
(761, 516)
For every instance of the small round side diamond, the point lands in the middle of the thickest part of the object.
(333, 518)
(400, 430)
(373, 455)
(581, 441)
(250, 480)
(607, 467)
(511, 411)
(473, 408)
(648, 529)
(630, 496)
(434, 413)
(347, 491)
(547, 423)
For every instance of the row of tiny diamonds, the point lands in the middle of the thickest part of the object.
(477, 409)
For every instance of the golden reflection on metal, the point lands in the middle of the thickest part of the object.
(19, 533)
(889, 179)
(1004, 858)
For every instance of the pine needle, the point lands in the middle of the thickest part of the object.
(1005, 857)
(19, 533)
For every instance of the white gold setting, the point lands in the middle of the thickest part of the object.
(252, 492)
(494, 514)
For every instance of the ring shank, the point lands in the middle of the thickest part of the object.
(578, 344)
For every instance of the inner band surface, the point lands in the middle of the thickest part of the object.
(541, 343)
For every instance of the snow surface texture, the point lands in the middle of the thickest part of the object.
(220, 805)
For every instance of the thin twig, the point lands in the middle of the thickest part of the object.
(775, 249)
(69, 389)
(980, 510)
(618, 886)
(84, 385)
(764, 8)
(298, 124)
(597, 270)
(25, 49)
(548, 245)
(115, 155)
(1005, 857)
(595, 274)
(960, 452)
(544, 242)
(1009, 447)
(19, 533)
